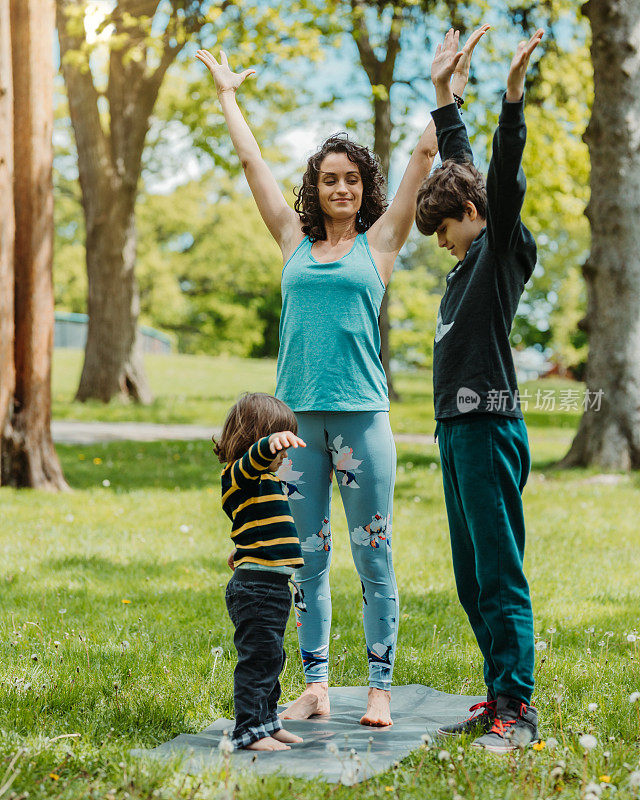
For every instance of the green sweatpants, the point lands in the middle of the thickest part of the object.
(485, 465)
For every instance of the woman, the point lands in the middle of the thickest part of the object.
(339, 245)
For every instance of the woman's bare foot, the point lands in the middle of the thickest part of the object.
(267, 743)
(314, 701)
(378, 713)
(287, 737)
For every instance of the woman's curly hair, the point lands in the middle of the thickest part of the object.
(374, 202)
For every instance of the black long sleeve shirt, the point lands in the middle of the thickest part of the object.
(473, 368)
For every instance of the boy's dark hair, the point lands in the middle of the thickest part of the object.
(445, 192)
(374, 202)
(254, 415)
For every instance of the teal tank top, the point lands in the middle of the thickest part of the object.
(329, 358)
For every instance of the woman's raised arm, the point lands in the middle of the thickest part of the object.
(387, 235)
(283, 222)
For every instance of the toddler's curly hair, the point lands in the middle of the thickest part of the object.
(255, 415)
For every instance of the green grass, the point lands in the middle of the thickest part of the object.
(201, 389)
(76, 659)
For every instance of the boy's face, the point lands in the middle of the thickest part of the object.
(457, 234)
(277, 461)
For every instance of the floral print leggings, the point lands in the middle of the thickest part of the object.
(359, 448)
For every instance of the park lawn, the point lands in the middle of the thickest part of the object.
(113, 599)
(200, 390)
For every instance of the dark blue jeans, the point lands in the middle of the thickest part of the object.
(258, 603)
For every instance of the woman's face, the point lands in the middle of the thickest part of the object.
(339, 187)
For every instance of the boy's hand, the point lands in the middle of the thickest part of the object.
(231, 559)
(461, 72)
(518, 70)
(284, 439)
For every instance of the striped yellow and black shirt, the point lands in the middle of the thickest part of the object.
(262, 529)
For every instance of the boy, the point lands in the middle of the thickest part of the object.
(255, 437)
(482, 437)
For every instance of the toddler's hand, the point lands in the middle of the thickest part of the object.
(231, 559)
(284, 439)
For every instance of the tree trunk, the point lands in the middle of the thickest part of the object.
(609, 436)
(109, 165)
(113, 361)
(28, 454)
(7, 223)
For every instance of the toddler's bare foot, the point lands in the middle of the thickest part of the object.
(286, 736)
(314, 701)
(267, 743)
(378, 713)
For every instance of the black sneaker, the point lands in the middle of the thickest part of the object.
(514, 727)
(476, 723)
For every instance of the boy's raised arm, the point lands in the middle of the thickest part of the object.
(506, 183)
(451, 132)
(254, 463)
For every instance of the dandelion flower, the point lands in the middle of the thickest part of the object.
(127, 602)
(592, 707)
(539, 745)
(97, 461)
(605, 779)
(54, 777)
(588, 742)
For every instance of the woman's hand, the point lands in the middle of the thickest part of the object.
(461, 72)
(225, 80)
(284, 439)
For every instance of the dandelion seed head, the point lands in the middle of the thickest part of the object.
(426, 739)
(631, 637)
(592, 707)
(332, 748)
(551, 631)
(444, 755)
(552, 743)
(634, 697)
(588, 742)
(634, 779)
(217, 652)
(106, 483)
(185, 528)
(541, 645)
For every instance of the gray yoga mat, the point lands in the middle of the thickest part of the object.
(415, 709)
